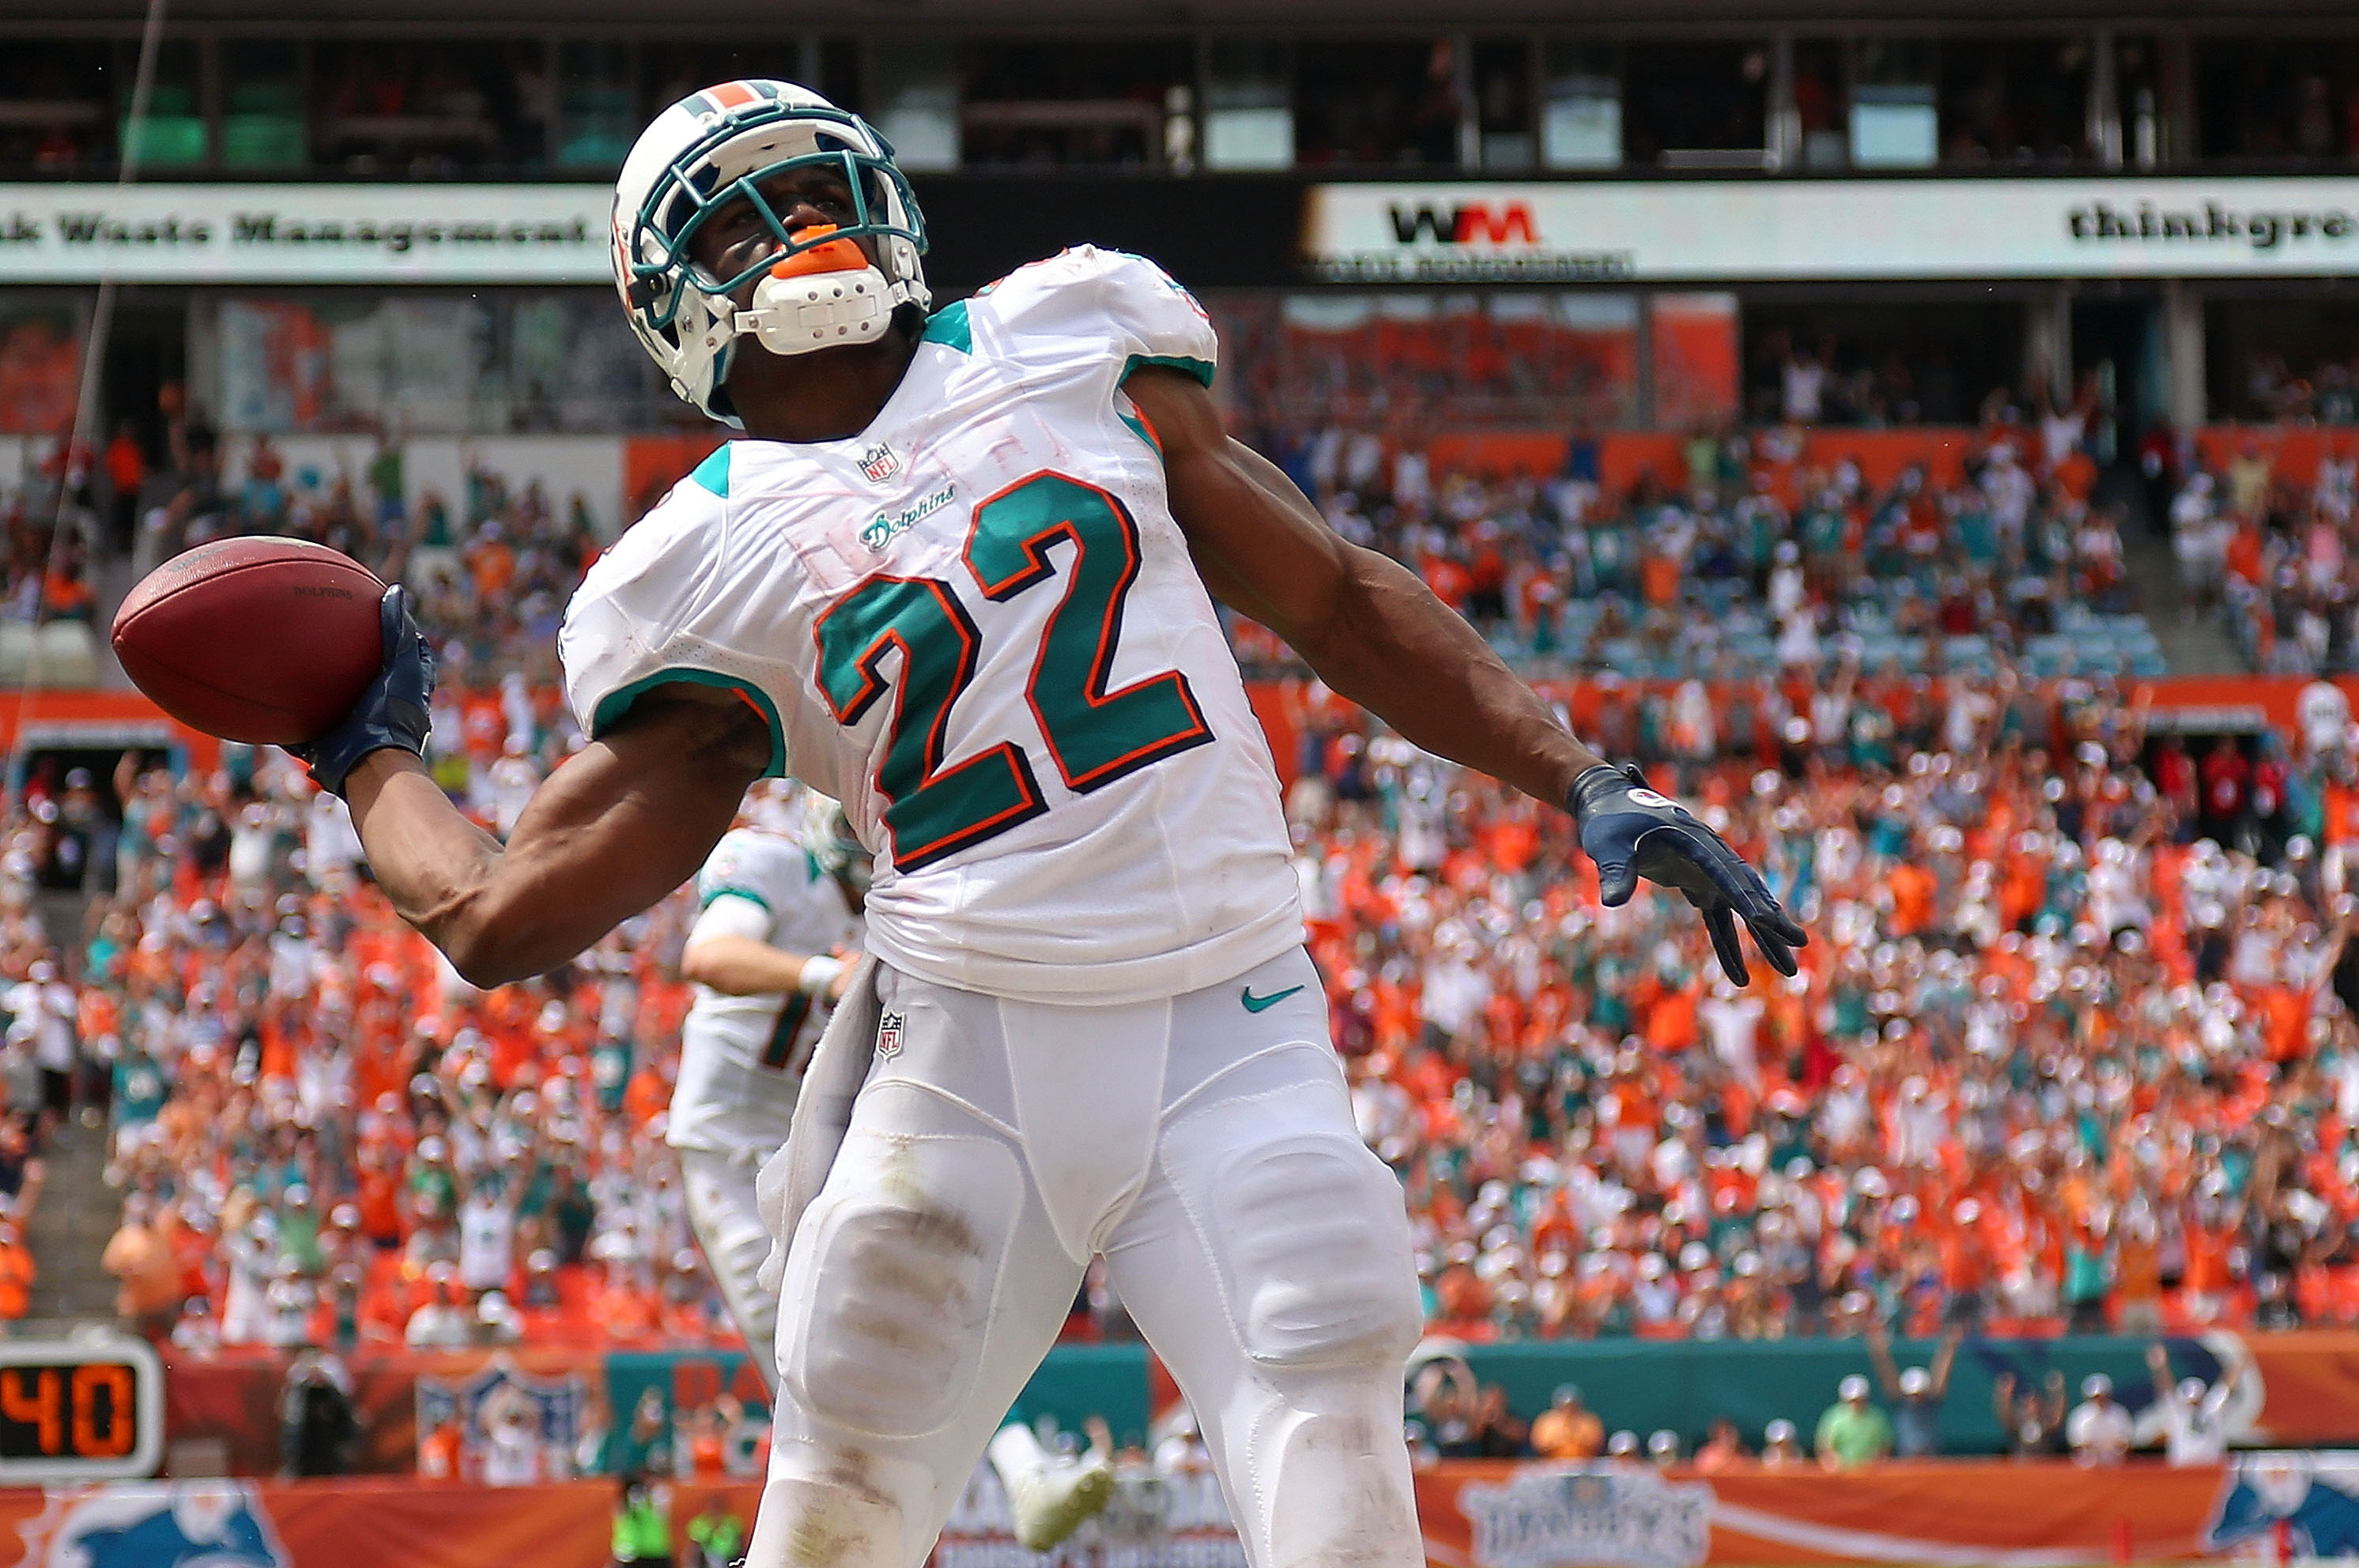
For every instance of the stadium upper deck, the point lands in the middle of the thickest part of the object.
(1804, 212)
(539, 89)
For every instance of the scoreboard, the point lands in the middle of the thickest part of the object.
(80, 1409)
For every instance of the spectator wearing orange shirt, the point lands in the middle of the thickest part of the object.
(1668, 1009)
(127, 472)
(1659, 578)
(438, 1453)
(491, 562)
(1724, 1448)
(17, 1273)
(140, 1258)
(1913, 886)
(1965, 1266)
(1568, 1429)
(2138, 1275)
(1451, 581)
(2210, 1234)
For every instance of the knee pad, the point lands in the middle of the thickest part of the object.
(893, 1294)
(1307, 1234)
(805, 1524)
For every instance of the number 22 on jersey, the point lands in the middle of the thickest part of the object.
(1095, 736)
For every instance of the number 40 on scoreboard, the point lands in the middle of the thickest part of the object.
(80, 1409)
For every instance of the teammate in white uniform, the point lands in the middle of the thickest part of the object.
(779, 904)
(958, 578)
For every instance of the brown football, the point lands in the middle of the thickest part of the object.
(258, 639)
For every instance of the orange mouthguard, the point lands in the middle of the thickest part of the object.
(835, 255)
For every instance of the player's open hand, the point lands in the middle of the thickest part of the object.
(1632, 832)
(394, 711)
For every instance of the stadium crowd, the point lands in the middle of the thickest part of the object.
(1747, 562)
(2067, 1048)
(2053, 1059)
(2281, 555)
(323, 1135)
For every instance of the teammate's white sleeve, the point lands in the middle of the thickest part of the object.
(648, 615)
(730, 913)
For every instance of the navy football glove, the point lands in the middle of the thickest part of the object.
(1632, 832)
(393, 711)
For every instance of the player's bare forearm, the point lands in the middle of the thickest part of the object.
(1369, 627)
(424, 853)
(1388, 644)
(615, 829)
(740, 965)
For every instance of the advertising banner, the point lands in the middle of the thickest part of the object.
(1733, 230)
(1438, 232)
(1951, 1512)
(2267, 1506)
(305, 234)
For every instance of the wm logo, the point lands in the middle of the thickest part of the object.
(1474, 223)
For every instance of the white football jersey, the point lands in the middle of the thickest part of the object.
(977, 625)
(742, 1057)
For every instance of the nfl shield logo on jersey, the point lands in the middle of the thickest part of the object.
(878, 464)
(888, 1036)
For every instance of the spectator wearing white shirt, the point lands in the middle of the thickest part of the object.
(43, 1009)
(487, 1238)
(1787, 584)
(1803, 385)
(1384, 1112)
(1732, 1019)
(2099, 1431)
(511, 1451)
(2010, 492)
(330, 846)
(2194, 1415)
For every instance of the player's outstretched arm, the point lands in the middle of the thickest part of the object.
(1375, 633)
(618, 827)
(1367, 623)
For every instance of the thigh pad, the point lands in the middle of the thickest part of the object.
(1304, 1227)
(893, 1278)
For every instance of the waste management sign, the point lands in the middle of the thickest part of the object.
(304, 234)
(1734, 231)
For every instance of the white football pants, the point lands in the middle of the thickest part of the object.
(1204, 1144)
(720, 1193)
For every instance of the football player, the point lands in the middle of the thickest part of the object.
(960, 576)
(778, 907)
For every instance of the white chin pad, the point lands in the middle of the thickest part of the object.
(821, 310)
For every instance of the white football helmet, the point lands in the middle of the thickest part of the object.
(826, 835)
(715, 147)
(773, 806)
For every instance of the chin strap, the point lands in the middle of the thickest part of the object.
(795, 315)
(821, 297)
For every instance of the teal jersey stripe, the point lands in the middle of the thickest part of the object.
(1201, 369)
(712, 473)
(948, 327)
(616, 703)
(1138, 427)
